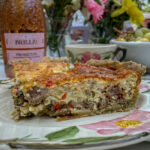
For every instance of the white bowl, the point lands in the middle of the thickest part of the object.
(136, 51)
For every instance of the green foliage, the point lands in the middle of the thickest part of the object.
(147, 9)
(141, 3)
(147, 6)
(98, 1)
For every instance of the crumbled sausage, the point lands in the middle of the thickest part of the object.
(37, 95)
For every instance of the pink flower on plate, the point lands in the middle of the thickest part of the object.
(144, 87)
(88, 55)
(96, 9)
(138, 121)
(96, 56)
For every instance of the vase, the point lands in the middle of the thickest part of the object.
(56, 46)
(56, 36)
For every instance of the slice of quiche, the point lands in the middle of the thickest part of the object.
(51, 88)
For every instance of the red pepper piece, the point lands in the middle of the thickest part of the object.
(71, 106)
(64, 96)
(49, 83)
(120, 96)
(57, 106)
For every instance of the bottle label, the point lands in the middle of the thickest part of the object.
(25, 45)
(24, 40)
(34, 55)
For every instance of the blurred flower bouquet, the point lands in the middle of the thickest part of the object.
(104, 15)
(115, 14)
(60, 13)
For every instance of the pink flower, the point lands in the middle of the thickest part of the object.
(96, 10)
(88, 55)
(110, 127)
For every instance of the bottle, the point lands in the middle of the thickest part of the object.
(23, 30)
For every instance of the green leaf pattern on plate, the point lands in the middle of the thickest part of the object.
(91, 139)
(147, 91)
(4, 82)
(72, 57)
(107, 57)
(63, 134)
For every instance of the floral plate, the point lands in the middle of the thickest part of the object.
(102, 131)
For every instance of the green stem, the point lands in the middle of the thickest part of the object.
(58, 52)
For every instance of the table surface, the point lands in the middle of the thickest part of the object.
(5, 73)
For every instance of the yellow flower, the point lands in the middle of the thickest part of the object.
(130, 7)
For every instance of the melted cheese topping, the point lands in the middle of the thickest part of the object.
(26, 72)
(57, 73)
